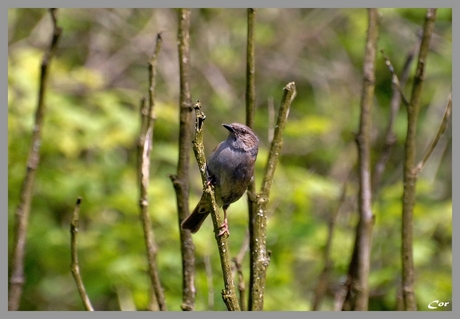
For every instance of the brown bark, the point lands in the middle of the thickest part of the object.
(410, 174)
(358, 273)
(22, 213)
(181, 179)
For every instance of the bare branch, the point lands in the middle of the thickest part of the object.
(358, 273)
(435, 141)
(241, 287)
(22, 213)
(410, 176)
(74, 266)
(181, 179)
(390, 138)
(152, 76)
(144, 151)
(228, 293)
(395, 79)
(275, 146)
(250, 115)
(250, 70)
(259, 256)
(244, 248)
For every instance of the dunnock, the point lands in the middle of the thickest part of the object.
(230, 168)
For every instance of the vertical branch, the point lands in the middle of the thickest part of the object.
(250, 115)
(390, 138)
(241, 287)
(228, 293)
(260, 258)
(152, 79)
(180, 180)
(144, 150)
(441, 130)
(22, 213)
(250, 70)
(358, 293)
(74, 266)
(271, 118)
(250, 88)
(238, 261)
(410, 174)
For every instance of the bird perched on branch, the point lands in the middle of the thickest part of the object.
(230, 169)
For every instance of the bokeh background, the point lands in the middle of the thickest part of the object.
(92, 124)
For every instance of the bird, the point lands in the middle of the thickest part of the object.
(230, 169)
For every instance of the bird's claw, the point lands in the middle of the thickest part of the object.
(224, 229)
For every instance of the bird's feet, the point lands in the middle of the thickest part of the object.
(224, 229)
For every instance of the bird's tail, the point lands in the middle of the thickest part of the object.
(194, 221)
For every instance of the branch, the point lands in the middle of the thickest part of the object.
(358, 274)
(250, 115)
(251, 103)
(395, 80)
(441, 131)
(277, 142)
(260, 258)
(180, 180)
(152, 77)
(410, 175)
(250, 70)
(390, 138)
(22, 213)
(243, 249)
(241, 287)
(238, 260)
(74, 266)
(228, 294)
(144, 150)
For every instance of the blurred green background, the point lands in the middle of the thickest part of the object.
(92, 123)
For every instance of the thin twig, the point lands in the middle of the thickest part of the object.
(250, 114)
(238, 260)
(250, 69)
(152, 77)
(22, 213)
(410, 176)
(180, 181)
(275, 146)
(228, 293)
(241, 286)
(259, 256)
(396, 83)
(390, 137)
(435, 141)
(271, 118)
(357, 297)
(144, 151)
(244, 248)
(74, 266)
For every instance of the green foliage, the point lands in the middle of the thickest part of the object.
(89, 147)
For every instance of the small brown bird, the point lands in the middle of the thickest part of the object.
(230, 168)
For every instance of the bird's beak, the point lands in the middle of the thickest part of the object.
(228, 127)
